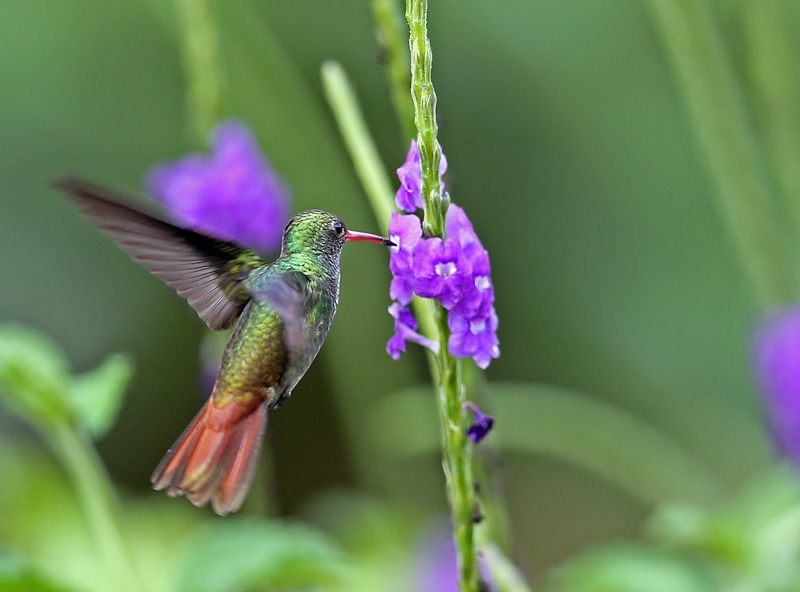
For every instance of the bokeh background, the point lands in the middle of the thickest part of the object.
(569, 147)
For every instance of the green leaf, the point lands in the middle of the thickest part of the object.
(254, 555)
(626, 568)
(34, 374)
(17, 576)
(96, 396)
(753, 537)
(541, 419)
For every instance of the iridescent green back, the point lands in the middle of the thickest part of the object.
(293, 301)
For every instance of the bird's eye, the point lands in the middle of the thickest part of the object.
(338, 228)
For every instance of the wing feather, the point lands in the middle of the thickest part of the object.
(211, 274)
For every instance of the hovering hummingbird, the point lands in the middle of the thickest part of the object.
(284, 311)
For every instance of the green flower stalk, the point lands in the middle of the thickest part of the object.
(457, 450)
(424, 97)
(446, 264)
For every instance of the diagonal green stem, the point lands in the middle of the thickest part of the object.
(367, 163)
(771, 61)
(718, 114)
(99, 503)
(357, 139)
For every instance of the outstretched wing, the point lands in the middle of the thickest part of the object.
(211, 274)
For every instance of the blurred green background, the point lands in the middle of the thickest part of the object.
(568, 146)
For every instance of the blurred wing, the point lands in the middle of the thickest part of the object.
(211, 274)
(288, 295)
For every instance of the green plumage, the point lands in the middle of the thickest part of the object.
(284, 312)
(293, 301)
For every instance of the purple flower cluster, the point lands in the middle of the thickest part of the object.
(777, 357)
(233, 193)
(409, 196)
(455, 271)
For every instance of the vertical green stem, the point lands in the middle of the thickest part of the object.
(457, 450)
(718, 114)
(457, 460)
(99, 503)
(424, 97)
(200, 52)
(389, 29)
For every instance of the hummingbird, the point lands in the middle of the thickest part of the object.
(282, 310)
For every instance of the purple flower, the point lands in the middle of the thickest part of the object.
(405, 329)
(405, 232)
(483, 423)
(454, 270)
(441, 271)
(777, 357)
(474, 337)
(409, 196)
(233, 193)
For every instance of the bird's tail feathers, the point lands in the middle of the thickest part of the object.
(215, 457)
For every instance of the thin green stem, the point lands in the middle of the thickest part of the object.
(367, 163)
(201, 63)
(457, 449)
(99, 503)
(457, 461)
(391, 35)
(424, 97)
(719, 118)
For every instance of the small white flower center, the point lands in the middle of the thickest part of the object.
(395, 238)
(477, 327)
(445, 270)
(482, 282)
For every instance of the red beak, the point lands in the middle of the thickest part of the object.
(351, 235)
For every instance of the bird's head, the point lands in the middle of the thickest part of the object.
(321, 233)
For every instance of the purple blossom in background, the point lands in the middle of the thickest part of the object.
(777, 353)
(405, 329)
(455, 271)
(483, 423)
(233, 193)
(409, 196)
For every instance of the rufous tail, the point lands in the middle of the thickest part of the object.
(215, 457)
